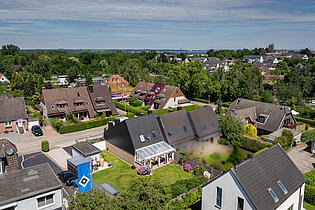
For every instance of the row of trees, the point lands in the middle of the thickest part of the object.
(242, 80)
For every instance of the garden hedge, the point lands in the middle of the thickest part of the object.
(201, 100)
(308, 135)
(309, 194)
(45, 146)
(253, 145)
(135, 110)
(310, 178)
(305, 120)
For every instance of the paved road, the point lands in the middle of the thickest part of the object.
(28, 143)
(302, 157)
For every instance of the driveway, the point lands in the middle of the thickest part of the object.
(60, 156)
(302, 157)
(33, 159)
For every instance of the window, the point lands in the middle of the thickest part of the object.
(113, 80)
(87, 103)
(218, 202)
(122, 85)
(261, 119)
(78, 94)
(46, 200)
(117, 79)
(273, 195)
(240, 203)
(185, 129)
(117, 85)
(174, 132)
(282, 187)
(154, 134)
(79, 104)
(8, 123)
(142, 138)
(52, 107)
(291, 207)
(204, 127)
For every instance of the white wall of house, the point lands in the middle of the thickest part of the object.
(230, 194)
(32, 204)
(75, 153)
(173, 101)
(32, 123)
(293, 200)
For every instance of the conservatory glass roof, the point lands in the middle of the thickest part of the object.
(154, 150)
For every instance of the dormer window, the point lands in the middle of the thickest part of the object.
(148, 137)
(113, 80)
(154, 134)
(61, 105)
(78, 94)
(79, 104)
(261, 119)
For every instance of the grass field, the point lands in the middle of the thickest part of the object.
(121, 174)
(308, 206)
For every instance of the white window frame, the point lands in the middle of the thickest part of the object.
(45, 195)
(9, 205)
(8, 123)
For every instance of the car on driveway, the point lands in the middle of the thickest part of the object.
(67, 177)
(37, 131)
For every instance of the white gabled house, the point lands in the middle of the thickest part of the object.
(269, 180)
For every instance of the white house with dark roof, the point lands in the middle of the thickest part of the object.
(32, 188)
(269, 180)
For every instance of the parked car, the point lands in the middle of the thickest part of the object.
(67, 177)
(37, 131)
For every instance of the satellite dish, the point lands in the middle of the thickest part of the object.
(10, 151)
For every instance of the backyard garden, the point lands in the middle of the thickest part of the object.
(120, 175)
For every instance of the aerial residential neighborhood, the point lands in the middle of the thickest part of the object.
(152, 105)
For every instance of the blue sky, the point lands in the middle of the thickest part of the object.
(171, 24)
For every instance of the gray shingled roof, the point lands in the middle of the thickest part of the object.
(27, 182)
(263, 171)
(12, 109)
(275, 113)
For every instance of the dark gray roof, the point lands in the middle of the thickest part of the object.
(126, 134)
(12, 109)
(173, 124)
(275, 113)
(27, 183)
(263, 171)
(86, 149)
(205, 122)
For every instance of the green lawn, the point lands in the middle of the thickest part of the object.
(308, 206)
(121, 174)
(216, 157)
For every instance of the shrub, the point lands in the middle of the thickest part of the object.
(305, 120)
(190, 107)
(250, 130)
(160, 111)
(198, 170)
(201, 100)
(310, 178)
(253, 145)
(45, 146)
(187, 167)
(308, 135)
(69, 116)
(133, 101)
(237, 156)
(143, 170)
(183, 186)
(307, 126)
(217, 165)
(309, 194)
(56, 124)
(187, 202)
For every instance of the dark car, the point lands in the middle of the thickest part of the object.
(37, 131)
(67, 177)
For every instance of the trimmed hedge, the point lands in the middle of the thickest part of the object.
(201, 100)
(310, 178)
(309, 194)
(305, 120)
(190, 107)
(308, 135)
(45, 146)
(132, 109)
(253, 145)
(88, 124)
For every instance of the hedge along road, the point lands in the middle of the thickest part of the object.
(33, 144)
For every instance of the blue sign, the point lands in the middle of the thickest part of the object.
(84, 177)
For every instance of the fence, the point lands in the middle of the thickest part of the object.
(195, 163)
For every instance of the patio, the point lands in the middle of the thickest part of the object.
(121, 174)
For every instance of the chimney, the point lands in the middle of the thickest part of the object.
(91, 89)
(150, 111)
(179, 108)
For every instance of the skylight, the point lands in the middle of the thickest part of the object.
(142, 138)
(282, 187)
(154, 134)
(204, 127)
(185, 129)
(273, 195)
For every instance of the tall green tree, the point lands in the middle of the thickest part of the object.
(10, 49)
(88, 80)
(231, 128)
